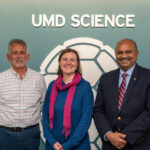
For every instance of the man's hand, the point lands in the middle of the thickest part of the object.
(57, 146)
(117, 139)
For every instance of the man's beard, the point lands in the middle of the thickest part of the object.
(19, 63)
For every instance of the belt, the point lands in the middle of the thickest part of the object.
(18, 128)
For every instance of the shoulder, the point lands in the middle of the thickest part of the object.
(84, 86)
(84, 89)
(6, 77)
(110, 74)
(144, 72)
(51, 84)
(35, 74)
(5, 73)
(36, 78)
(84, 83)
(143, 69)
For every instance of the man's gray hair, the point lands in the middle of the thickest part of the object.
(19, 41)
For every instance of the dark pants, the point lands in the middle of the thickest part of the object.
(28, 139)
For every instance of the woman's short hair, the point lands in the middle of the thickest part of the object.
(68, 50)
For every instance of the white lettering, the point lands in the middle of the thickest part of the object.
(86, 20)
(110, 21)
(98, 20)
(117, 21)
(60, 21)
(75, 18)
(36, 24)
(49, 22)
(55, 20)
(129, 20)
(83, 20)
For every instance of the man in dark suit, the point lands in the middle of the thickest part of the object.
(122, 106)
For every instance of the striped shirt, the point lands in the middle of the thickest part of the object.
(21, 101)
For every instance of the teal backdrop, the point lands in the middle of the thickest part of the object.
(16, 22)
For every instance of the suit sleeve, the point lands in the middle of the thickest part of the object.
(85, 121)
(99, 115)
(47, 132)
(138, 128)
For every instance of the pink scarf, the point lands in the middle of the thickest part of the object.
(67, 108)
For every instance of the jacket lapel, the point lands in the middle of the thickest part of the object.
(131, 85)
(115, 82)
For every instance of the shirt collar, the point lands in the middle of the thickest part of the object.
(129, 72)
(16, 74)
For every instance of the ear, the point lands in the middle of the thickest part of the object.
(137, 54)
(8, 57)
(28, 57)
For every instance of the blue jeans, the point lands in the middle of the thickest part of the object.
(28, 139)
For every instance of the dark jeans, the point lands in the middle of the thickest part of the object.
(28, 139)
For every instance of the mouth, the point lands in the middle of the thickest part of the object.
(124, 60)
(68, 66)
(19, 61)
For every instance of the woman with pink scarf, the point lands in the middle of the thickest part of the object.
(68, 106)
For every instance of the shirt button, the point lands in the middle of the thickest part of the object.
(119, 118)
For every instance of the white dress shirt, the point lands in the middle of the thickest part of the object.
(21, 101)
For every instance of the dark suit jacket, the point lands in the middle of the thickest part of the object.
(134, 113)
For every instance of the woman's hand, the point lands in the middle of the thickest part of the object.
(57, 146)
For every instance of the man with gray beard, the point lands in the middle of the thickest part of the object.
(22, 92)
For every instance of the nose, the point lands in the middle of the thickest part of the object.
(18, 55)
(124, 55)
(68, 61)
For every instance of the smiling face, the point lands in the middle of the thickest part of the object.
(68, 63)
(18, 56)
(126, 54)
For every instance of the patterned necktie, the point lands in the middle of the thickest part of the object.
(122, 90)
